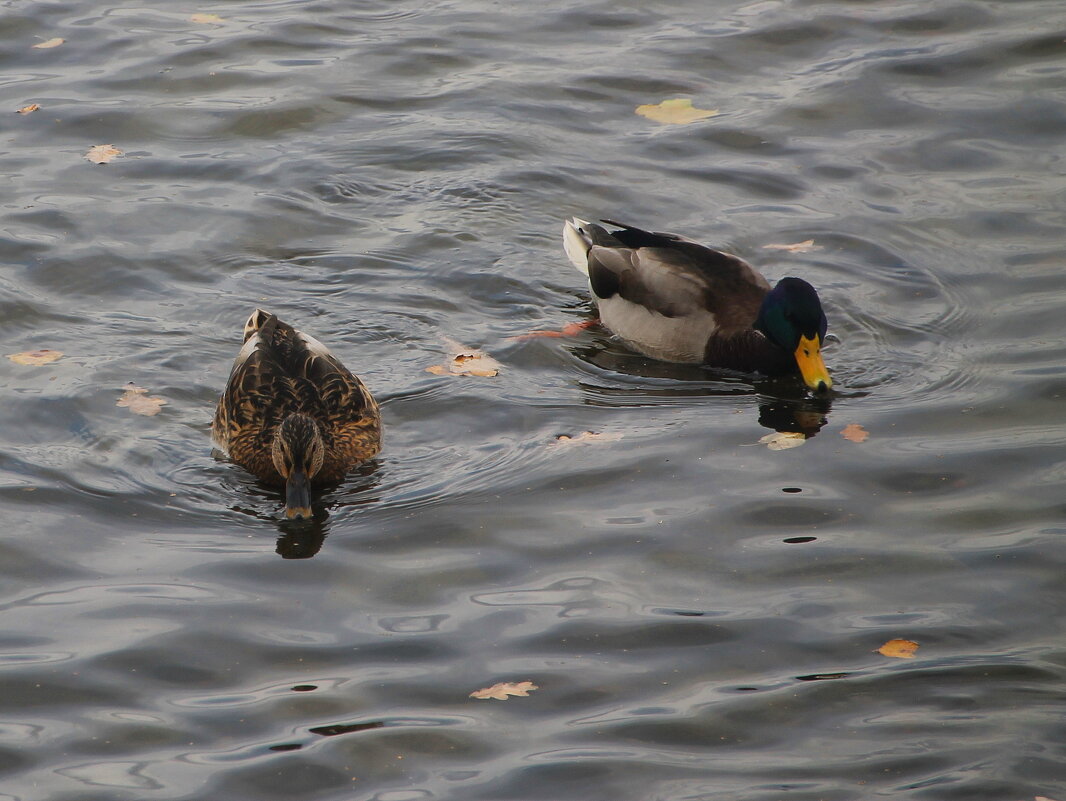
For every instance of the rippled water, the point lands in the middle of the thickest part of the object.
(700, 613)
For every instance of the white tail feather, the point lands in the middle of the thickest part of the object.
(577, 244)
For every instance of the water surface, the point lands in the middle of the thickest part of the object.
(700, 613)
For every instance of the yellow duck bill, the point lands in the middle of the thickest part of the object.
(812, 368)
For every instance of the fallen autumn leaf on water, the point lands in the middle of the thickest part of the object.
(205, 19)
(466, 361)
(34, 357)
(587, 437)
(795, 247)
(855, 433)
(501, 691)
(675, 112)
(783, 440)
(32, 107)
(899, 649)
(49, 44)
(102, 154)
(136, 399)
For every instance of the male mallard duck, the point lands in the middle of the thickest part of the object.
(292, 414)
(677, 300)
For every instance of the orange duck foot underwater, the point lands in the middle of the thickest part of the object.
(677, 300)
(292, 414)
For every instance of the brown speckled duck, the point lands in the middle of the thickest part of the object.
(677, 300)
(292, 414)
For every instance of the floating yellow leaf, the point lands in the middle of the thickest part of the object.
(783, 440)
(675, 112)
(899, 649)
(205, 19)
(43, 356)
(466, 361)
(102, 154)
(855, 433)
(32, 107)
(587, 437)
(795, 247)
(504, 689)
(136, 399)
(49, 44)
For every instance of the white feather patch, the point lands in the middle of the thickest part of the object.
(672, 339)
(576, 244)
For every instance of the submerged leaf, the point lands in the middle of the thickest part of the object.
(587, 437)
(899, 649)
(795, 247)
(783, 440)
(501, 691)
(136, 399)
(43, 356)
(466, 361)
(675, 112)
(855, 433)
(102, 154)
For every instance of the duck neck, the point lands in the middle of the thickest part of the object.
(750, 352)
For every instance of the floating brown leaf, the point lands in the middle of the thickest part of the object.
(899, 649)
(675, 112)
(137, 400)
(855, 433)
(783, 440)
(102, 154)
(205, 19)
(501, 691)
(49, 44)
(795, 247)
(32, 107)
(466, 361)
(43, 356)
(587, 437)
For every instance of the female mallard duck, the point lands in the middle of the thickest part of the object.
(677, 300)
(292, 414)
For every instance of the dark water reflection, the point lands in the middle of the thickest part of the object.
(701, 614)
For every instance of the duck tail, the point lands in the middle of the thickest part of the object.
(577, 243)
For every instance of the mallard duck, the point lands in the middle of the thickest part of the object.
(292, 414)
(677, 300)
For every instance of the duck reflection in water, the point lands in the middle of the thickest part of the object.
(302, 538)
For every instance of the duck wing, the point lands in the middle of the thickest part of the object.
(665, 296)
(281, 371)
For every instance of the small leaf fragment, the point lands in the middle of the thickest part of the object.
(783, 440)
(32, 107)
(205, 19)
(49, 44)
(678, 111)
(855, 433)
(587, 437)
(899, 649)
(795, 247)
(466, 361)
(501, 691)
(102, 154)
(137, 400)
(34, 357)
